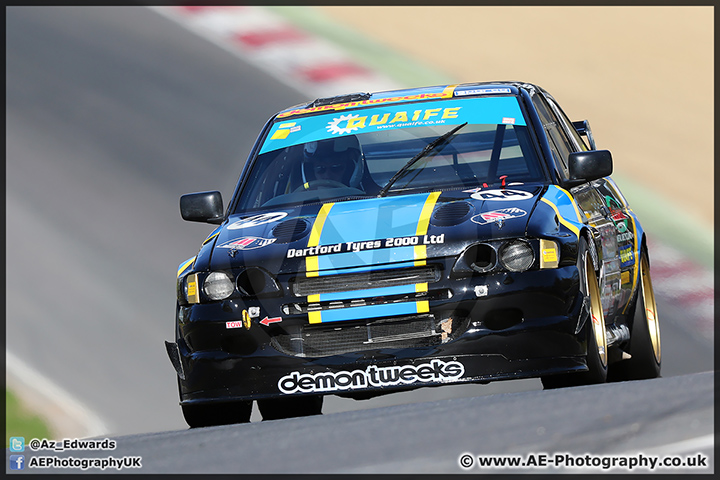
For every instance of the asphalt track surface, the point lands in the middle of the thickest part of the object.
(111, 115)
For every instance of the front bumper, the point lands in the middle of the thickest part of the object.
(501, 326)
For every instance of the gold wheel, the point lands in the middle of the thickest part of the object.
(644, 347)
(596, 311)
(650, 314)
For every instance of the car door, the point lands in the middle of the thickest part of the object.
(626, 238)
(590, 197)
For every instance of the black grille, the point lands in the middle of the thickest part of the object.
(361, 281)
(291, 230)
(452, 213)
(321, 341)
(430, 295)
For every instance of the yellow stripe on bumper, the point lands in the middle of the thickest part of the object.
(422, 227)
(315, 317)
(311, 263)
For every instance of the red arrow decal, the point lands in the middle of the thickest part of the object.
(267, 321)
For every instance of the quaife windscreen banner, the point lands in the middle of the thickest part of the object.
(487, 110)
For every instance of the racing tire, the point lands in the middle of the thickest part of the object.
(209, 414)
(597, 358)
(644, 348)
(277, 408)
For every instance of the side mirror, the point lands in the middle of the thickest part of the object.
(587, 166)
(202, 207)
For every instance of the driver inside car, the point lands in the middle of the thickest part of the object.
(335, 170)
(333, 163)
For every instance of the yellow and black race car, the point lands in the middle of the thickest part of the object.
(395, 240)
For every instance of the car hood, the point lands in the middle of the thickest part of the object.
(369, 233)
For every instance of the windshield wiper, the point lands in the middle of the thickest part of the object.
(428, 148)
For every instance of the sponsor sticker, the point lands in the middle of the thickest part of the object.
(619, 218)
(284, 130)
(256, 220)
(618, 215)
(346, 124)
(372, 376)
(191, 288)
(625, 237)
(501, 195)
(248, 243)
(626, 256)
(341, 106)
(549, 255)
(481, 91)
(355, 247)
(494, 110)
(498, 215)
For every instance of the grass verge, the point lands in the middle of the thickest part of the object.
(19, 422)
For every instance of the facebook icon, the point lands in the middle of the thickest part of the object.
(17, 462)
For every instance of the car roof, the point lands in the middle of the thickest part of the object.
(361, 99)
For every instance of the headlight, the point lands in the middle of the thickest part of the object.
(218, 286)
(517, 256)
(481, 257)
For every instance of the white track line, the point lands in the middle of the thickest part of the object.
(67, 416)
(691, 445)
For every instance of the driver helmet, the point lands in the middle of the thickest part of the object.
(338, 159)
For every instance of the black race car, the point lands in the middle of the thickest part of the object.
(395, 240)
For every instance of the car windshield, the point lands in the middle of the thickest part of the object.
(354, 154)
